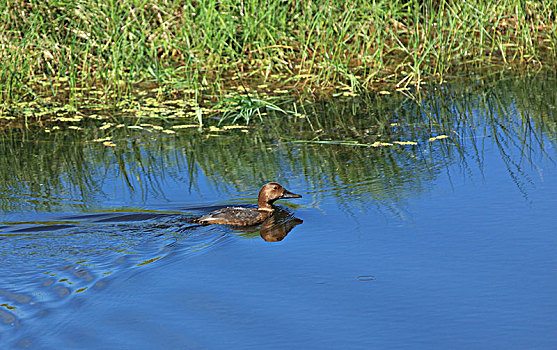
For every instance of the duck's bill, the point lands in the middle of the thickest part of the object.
(288, 194)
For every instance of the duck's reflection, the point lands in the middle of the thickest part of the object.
(273, 231)
(274, 228)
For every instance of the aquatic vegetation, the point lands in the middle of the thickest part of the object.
(245, 107)
(201, 50)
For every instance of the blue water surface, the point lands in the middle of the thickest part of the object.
(463, 258)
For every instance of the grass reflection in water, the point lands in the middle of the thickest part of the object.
(375, 147)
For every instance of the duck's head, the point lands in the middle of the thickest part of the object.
(271, 192)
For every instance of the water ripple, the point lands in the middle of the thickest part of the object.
(47, 262)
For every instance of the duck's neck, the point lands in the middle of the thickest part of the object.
(264, 205)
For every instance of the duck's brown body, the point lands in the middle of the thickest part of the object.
(238, 216)
(235, 216)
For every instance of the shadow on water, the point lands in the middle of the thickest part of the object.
(371, 151)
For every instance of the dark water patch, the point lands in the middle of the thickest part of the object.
(17, 297)
(42, 228)
(88, 216)
(130, 217)
(7, 317)
(366, 278)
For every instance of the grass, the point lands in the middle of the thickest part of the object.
(68, 50)
(246, 108)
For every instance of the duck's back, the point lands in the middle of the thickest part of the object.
(235, 216)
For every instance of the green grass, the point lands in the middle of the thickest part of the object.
(62, 48)
(245, 108)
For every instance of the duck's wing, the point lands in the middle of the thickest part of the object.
(235, 216)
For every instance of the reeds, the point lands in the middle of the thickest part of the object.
(64, 48)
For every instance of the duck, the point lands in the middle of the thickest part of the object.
(240, 216)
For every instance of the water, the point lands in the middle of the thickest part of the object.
(449, 243)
